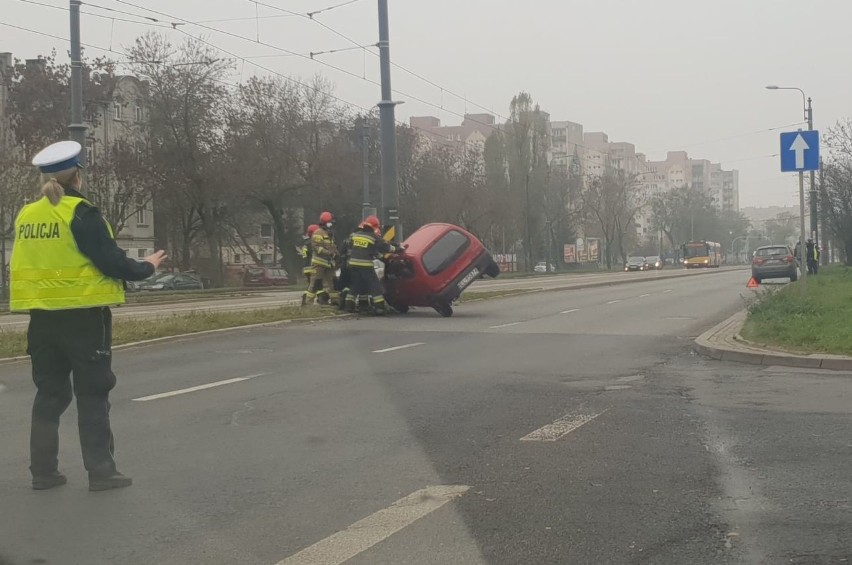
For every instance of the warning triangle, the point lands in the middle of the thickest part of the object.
(752, 283)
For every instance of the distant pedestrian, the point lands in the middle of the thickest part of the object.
(813, 257)
(66, 271)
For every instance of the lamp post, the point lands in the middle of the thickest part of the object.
(809, 117)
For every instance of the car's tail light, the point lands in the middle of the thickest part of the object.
(757, 261)
(789, 258)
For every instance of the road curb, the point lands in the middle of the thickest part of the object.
(156, 340)
(723, 343)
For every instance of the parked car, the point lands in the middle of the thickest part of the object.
(439, 262)
(171, 281)
(774, 262)
(636, 264)
(543, 267)
(655, 262)
(263, 276)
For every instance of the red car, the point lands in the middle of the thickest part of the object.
(261, 276)
(440, 261)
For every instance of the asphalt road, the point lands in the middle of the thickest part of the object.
(569, 427)
(275, 298)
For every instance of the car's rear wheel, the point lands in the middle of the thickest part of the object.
(444, 309)
(794, 277)
(492, 270)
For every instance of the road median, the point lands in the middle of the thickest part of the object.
(131, 332)
(790, 327)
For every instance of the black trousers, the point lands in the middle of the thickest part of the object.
(61, 344)
(364, 282)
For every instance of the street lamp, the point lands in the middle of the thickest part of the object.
(809, 117)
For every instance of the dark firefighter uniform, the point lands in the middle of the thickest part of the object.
(66, 270)
(324, 253)
(364, 247)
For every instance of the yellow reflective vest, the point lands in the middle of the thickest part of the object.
(48, 271)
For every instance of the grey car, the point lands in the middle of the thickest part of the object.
(774, 262)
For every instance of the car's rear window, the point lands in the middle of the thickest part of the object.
(444, 251)
(770, 251)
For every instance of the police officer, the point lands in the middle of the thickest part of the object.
(323, 260)
(66, 271)
(365, 245)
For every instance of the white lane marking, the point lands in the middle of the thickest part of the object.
(570, 311)
(364, 534)
(613, 301)
(561, 427)
(644, 295)
(667, 290)
(399, 347)
(617, 387)
(630, 378)
(504, 325)
(197, 388)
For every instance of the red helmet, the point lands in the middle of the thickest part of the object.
(326, 217)
(311, 229)
(372, 222)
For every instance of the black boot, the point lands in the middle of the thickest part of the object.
(109, 482)
(45, 482)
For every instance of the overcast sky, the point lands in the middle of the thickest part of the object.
(662, 74)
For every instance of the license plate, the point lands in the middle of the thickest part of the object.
(469, 278)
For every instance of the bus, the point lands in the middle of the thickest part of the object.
(702, 254)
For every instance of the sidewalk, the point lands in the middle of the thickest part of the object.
(723, 342)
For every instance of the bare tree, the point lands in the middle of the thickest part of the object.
(186, 101)
(613, 201)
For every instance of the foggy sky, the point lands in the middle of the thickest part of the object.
(662, 74)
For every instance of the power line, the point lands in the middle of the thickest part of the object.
(330, 8)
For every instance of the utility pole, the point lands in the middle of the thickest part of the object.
(77, 129)
(803, 237)
(367, 209)
(814, 197)
(387, 116)
(824, 257)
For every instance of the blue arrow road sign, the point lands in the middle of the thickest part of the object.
(799, 151)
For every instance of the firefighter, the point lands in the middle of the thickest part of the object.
(66, 271)
(306, 254)
(365, 245)
(324, 256)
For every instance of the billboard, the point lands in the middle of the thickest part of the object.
(582, 255)
(594, 250)
(570, 253)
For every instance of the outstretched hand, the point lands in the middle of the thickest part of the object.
(156, 258)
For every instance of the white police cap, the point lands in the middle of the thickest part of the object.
(58, 157)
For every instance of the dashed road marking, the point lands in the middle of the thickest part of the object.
(399, 347)
(364, 534)
(667, 290)
(561, 427)
(617, 387)
(644, 295)
(196, 388)
(570, 311)
(613, 301)
(504, 325)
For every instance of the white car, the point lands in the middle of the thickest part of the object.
(543, 268)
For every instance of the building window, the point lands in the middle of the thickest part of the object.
(141, 253)
(238, 258)
(139, 114)
(117, 111)
(141, 212)
(90, 152)
(265, 230)
(266, 258)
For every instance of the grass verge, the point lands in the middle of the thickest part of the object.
(14, 343)
(472, 295)
(817, 321)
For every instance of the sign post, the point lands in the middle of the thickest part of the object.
(800, 153)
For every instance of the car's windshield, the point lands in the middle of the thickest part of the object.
(636, 260)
